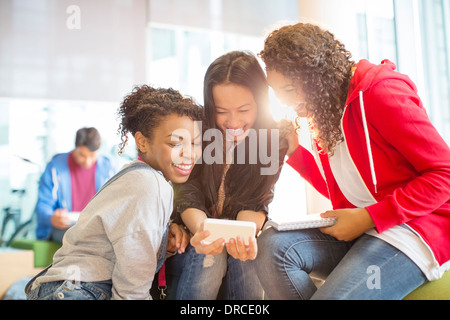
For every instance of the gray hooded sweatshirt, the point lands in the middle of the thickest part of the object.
(119, 234)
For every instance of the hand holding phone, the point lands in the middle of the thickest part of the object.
(229, 229)
(238, 236)
(240, 251)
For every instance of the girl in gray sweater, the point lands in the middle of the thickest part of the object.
(120, 239)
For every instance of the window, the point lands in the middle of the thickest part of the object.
(179, 56)
(184, 38)
(423, 33)
(435, 32)
(376, 25)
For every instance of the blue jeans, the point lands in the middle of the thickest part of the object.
(365, 269)
(72, 290)
(202, 275)
(79, 290)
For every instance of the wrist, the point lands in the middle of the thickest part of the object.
(291, 150)
(368, 219)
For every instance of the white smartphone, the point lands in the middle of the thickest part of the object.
(229, 229)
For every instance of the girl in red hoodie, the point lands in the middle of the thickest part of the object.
(376, 156)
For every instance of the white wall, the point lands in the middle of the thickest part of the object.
(96, 52)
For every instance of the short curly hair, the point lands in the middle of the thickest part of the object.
(145, 107)
(313, 59)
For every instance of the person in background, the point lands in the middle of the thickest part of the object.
(69, 182)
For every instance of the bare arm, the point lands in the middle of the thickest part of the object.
(257, 217)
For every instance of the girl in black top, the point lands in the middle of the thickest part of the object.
(243, 152)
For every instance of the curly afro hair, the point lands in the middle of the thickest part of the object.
(314, 60)
(145, 107)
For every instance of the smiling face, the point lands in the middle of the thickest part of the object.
(287, 92)
(236, 110)
(174, 148)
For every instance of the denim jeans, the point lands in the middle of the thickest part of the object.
(202, 276)
(72, 290)
(79, 290)
(365, 269)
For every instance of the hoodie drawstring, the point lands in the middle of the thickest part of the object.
(369, 148)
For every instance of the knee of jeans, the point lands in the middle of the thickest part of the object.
(215, 260)
(277, 248)
(267, 245)
(208, 261)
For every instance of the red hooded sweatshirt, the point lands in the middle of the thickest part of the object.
(405, 165)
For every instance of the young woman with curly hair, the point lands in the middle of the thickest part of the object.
(121, 237)
(379, 160)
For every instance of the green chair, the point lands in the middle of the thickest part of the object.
(25, 238)
(43, 250)
(434, 290)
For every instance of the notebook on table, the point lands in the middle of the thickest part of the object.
(309, 221)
